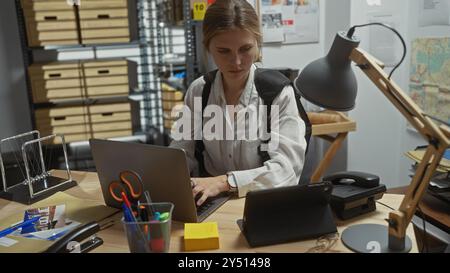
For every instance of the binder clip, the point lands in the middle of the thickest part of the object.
(26, 178)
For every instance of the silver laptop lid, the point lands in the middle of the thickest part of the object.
(163, 170)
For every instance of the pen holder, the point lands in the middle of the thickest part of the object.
(151, 236)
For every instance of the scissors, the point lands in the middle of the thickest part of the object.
(127, 188)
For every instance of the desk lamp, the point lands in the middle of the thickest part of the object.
(331, 83)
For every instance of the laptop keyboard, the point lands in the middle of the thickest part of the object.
(210, 205)
(207, 204)
(204, 207)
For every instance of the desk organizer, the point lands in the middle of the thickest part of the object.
(38, 182)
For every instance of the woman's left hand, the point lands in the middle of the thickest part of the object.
(209, 187)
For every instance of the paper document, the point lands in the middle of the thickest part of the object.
(51, 225)
(272, 23)
(417, 155)
(434, 13)
(384, 45)
(82, 210)
(7, 242)
(306, 21)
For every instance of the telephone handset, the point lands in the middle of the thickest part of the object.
(358, 179)
(354, 193)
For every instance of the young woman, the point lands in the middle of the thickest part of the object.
(232, 36)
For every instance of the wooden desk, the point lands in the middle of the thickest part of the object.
(231, 239)
(436, 211)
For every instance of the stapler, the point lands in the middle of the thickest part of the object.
(354, 193)
(80, 240)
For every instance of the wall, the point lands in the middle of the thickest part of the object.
(382, 137)
(295, 55)
(14, 111)
(334, 17)
(375, 146)
(337, 15)
(411, 138)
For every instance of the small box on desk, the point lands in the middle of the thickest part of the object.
(201, 236)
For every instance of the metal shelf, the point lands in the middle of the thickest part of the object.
(156, 37)
(145, 51)
(189, 29)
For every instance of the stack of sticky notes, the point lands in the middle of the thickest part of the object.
(201, 236)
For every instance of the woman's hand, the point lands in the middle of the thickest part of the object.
(209, 187)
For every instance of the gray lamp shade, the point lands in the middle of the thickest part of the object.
(330, 82)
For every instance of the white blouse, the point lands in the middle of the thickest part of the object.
(240, 158)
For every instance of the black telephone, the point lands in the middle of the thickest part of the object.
(358, 179)
(354, 193)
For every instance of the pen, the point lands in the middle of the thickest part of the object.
(128, 214)
(125, 200)
(17, 226)
(143, 214)
(134, 226)
(149, 201)
(147, 197)
(164, 216)
(157, 216)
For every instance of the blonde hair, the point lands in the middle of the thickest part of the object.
(225, 15)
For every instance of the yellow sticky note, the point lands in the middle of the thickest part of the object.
(199, 10)
(201, 236)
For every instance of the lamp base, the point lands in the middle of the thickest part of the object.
(371, 238)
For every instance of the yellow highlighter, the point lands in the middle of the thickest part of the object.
(201, 236)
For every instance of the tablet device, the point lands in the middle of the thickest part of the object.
(286, 214)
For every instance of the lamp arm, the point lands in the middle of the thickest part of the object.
(437, 137)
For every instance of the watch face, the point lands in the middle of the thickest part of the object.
(232, 188)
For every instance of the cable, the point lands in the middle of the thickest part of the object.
(351, 31)
(389, 207)
(437, 119)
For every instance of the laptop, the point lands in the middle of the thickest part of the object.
(164, 172)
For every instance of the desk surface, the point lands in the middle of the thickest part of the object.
(231, 239)
(436, 211)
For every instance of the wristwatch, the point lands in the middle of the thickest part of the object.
(232, 183)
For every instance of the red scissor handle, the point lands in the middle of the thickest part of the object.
(116, 189)
(137, 182)
(131, 189)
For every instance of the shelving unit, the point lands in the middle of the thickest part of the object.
(190, 36)
(179, 56)
(154, 39)
(165, 45)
